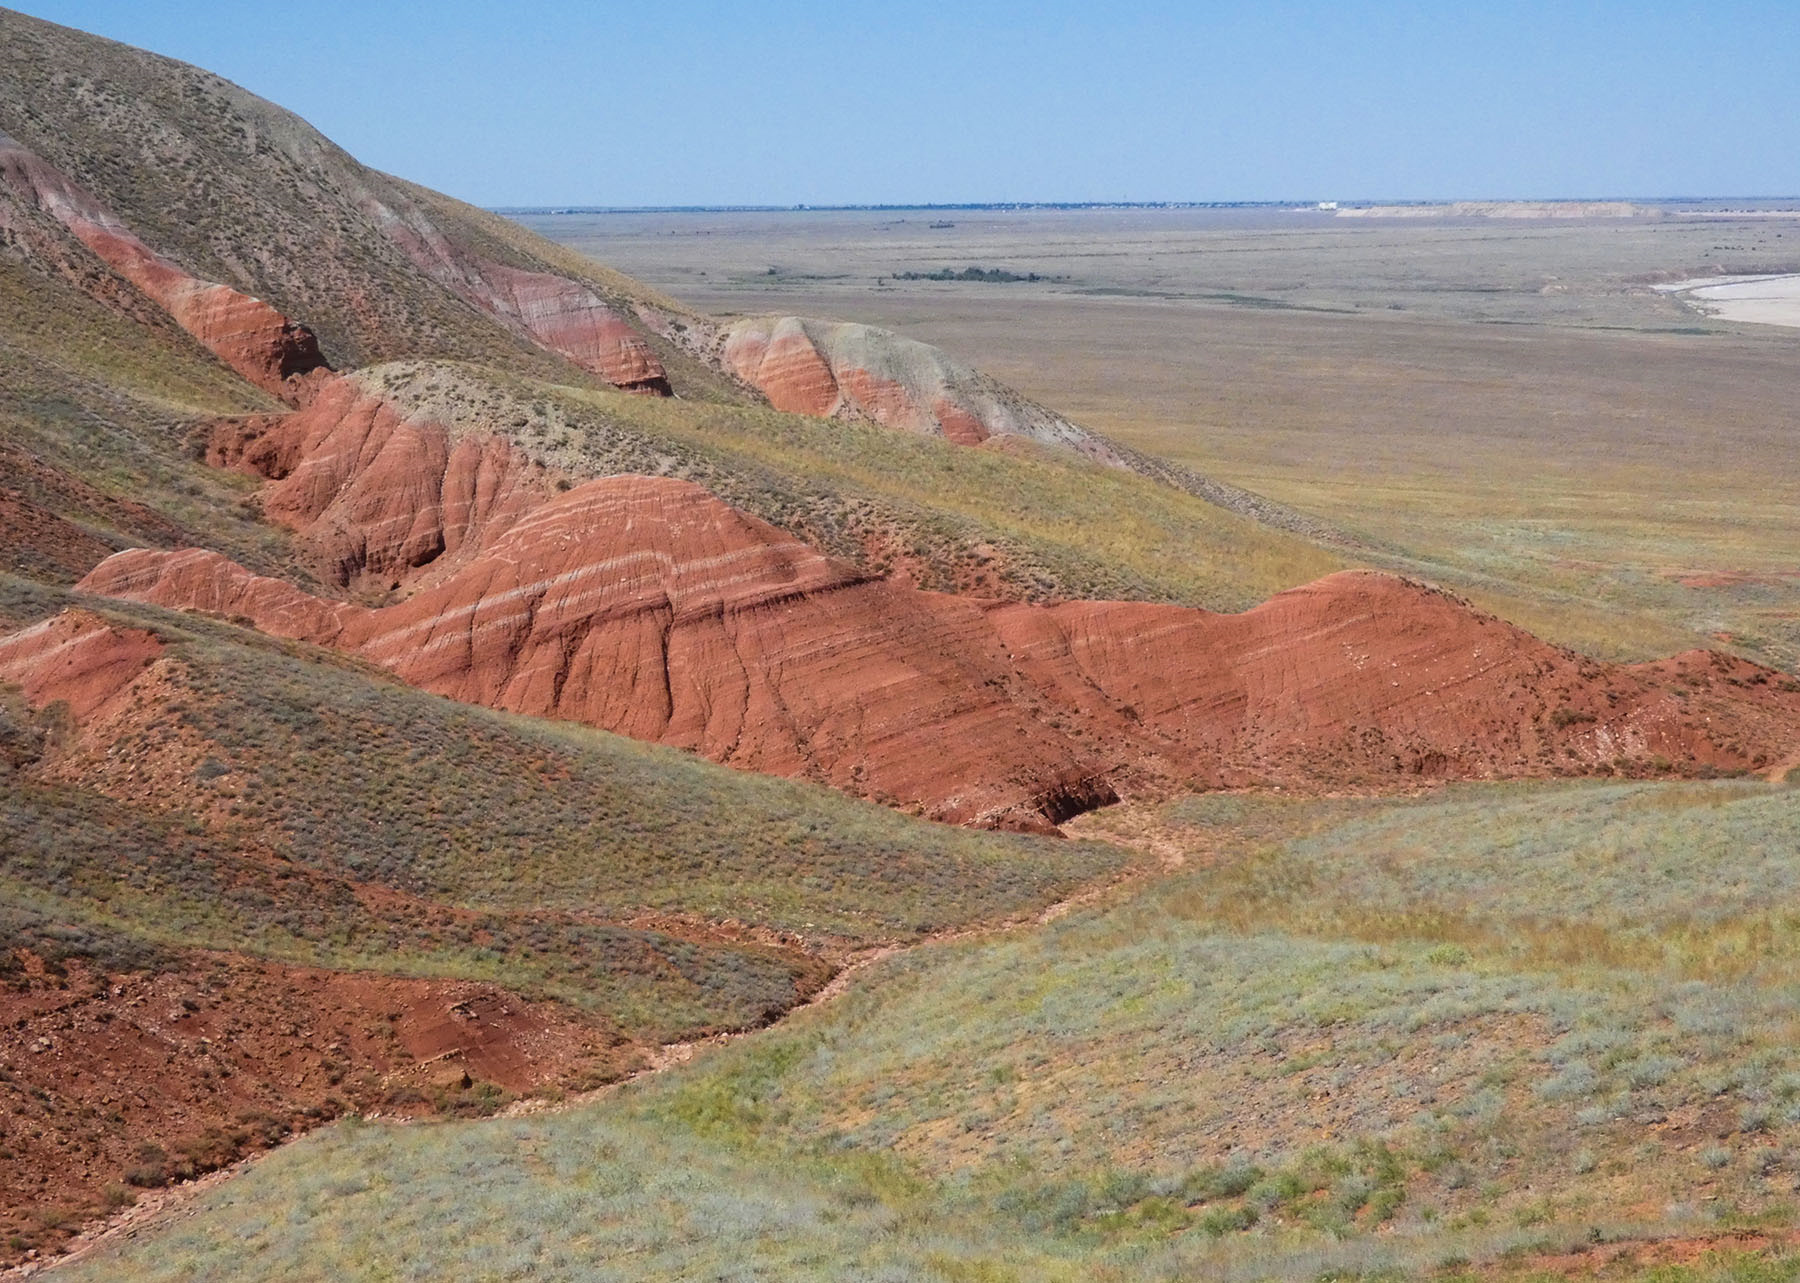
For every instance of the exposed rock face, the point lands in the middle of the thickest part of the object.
(831, 368)
(1363, 674)
(374, 496)
(568, 317)
(251, 337)
(560, 313)
(646, 606)
(76, 658)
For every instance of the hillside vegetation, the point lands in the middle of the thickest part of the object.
(96, 411)
(259, 807)
(250, 888)
(237, 190)
(344, 775)
(1324, 1046)
(1025, 521)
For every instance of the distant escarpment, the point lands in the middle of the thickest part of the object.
(843, 370)
(562, 314)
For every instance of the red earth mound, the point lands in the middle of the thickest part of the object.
(556, 312)
(647, 606)
(844, 370)
(158, 1076)
(247, 334)
(375, 497)
(76, 658)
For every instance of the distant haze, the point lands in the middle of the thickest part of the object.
(802, 101)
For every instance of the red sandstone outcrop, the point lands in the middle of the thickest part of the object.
(1363, 674)
(556, 312)
(247, 334)
(76, 658)
(648, 607)
(375, 496)
(840, 369)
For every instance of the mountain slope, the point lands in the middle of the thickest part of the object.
(232, 189)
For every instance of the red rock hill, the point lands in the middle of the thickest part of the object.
(648, 607)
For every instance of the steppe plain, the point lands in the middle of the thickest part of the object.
(1508, 406)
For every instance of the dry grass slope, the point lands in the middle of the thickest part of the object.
(1024, 522)
(1360, 1037)
(347, 778)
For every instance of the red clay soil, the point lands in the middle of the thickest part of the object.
(115, 1081)
(1629, 1257)
(555, 312)
(786, 366)
(844, 370)
(374, 497)
(251, 337)
(39, 543)
(648, 607)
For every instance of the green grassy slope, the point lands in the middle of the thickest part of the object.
(95, 414)
(1349, 1036)
(1029, 522)
(286, 780)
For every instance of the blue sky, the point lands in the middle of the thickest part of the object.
(790, 101)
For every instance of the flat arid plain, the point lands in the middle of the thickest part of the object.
(1511, 406)
(975, 746)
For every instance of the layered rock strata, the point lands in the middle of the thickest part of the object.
(845, 370)
(648, 607)
(265, 347)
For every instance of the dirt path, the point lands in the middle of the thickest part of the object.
(159, 1207)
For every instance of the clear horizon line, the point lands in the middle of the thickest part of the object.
(1339, 202)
